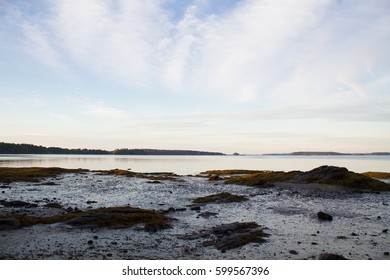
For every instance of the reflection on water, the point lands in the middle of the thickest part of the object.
(195, 164)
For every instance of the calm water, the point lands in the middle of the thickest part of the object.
(194, 164)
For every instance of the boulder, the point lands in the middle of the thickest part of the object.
(324, 217)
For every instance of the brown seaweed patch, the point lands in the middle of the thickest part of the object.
(229, 172)
(377, 175)
(262, 178)
(223, 197)
(156, 176)
(329, 175)
(102, 217)
(119, 172)
(32, 174)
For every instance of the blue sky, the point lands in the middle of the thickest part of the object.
(247, 76)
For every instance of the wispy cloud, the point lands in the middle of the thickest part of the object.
(100, 110)
(260, 48)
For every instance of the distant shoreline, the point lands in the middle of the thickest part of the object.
(328, 154)
(16, 149)
(30, 149)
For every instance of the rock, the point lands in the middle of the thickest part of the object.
(207, 214)
(195, 208)
(9, 223)
(214, 177)
(325, 173)
(18, 204)
(91, 201)
(330, 256)
(324, 217)
(386, 253)
(341, 237)
(384, 231)
(90, 242)
(293, 252)
(223, 197)
(354, 234)
(340, 176)
(234, 235)
(172, 209)
(49, 183)
(154, 182)
(53, 205)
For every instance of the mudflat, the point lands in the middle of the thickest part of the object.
(328, 212)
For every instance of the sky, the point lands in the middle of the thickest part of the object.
(247, 76)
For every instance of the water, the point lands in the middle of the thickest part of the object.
(183, 165)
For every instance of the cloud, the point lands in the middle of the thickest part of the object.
(100, 110)
(276, 53)
(39, 45)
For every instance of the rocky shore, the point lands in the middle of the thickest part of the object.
(326, 213)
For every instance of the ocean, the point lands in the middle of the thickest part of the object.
(184, 165)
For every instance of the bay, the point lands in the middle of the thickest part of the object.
(184, 165)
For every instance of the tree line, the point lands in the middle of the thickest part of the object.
(11, 148)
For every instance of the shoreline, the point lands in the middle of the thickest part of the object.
(277, 213)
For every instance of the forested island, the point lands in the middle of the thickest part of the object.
(11, 148)
(308, 153)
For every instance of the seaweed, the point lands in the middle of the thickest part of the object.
(223, 197)
(101, 217)
(32, 174)
(154, 176)
(330, 175)
(377, 175)
(229, 172)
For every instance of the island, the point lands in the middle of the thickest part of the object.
(11, 148)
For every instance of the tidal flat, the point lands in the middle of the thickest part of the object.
(328, 212)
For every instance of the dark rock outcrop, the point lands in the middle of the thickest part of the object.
(330, 256)
(324, 216)
(53, 205)
(234, 235)
(223, 197)
(329, 175)
(340, 176)
(9, 223)
(18, 204)
(207, 214)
